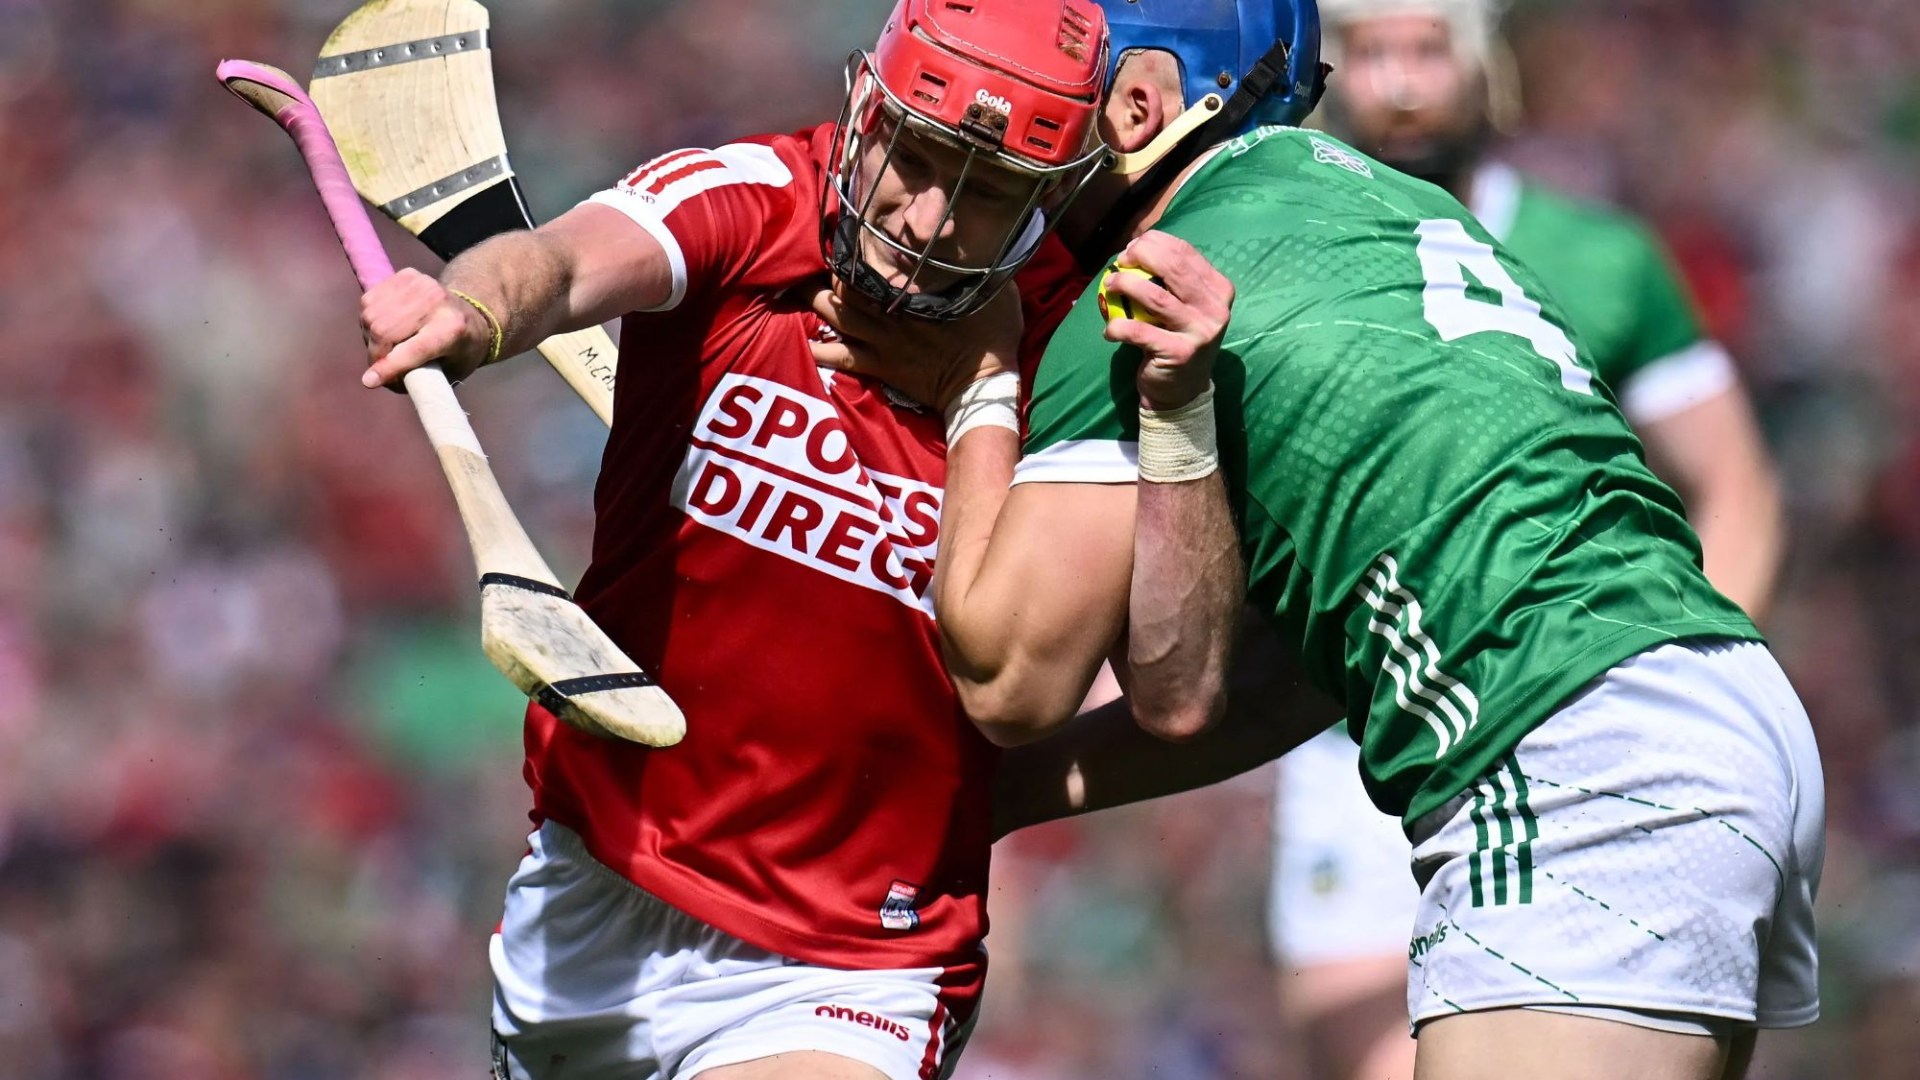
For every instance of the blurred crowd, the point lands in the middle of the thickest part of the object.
(259, 789)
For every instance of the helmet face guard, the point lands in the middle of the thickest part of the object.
(867, 143)
(1002, 101)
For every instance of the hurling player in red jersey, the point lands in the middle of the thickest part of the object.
(798, 888)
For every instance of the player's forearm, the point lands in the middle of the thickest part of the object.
(1105, 758)
(524, 279)
(1188, 586)
(581, 269)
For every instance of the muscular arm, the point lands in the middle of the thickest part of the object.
(1030, 585)
(1030, 589)
(1713, 454)
(589, 265)
(1039, 591)
(1188, 584)
(1188, 581)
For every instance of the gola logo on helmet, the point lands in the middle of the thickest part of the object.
(992, 101)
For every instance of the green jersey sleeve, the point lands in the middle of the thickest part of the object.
(1673, 365)
(1083, 420)
(1622, 296)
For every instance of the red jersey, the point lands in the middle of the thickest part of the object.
(764, 542)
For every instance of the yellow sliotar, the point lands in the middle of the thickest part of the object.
(1116, 306)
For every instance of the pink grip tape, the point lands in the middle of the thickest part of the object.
(301, 119)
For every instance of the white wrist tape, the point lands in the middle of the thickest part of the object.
(1179, 444)
(990, 402)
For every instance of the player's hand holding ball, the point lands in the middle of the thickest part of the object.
(1163, 297)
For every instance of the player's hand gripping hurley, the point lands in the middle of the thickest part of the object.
(530, 628)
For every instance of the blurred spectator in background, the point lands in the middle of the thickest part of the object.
(257, 783)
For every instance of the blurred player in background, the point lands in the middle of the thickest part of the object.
(798, 888)
(1424, 86)
(1614, 793)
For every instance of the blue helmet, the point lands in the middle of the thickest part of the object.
(1218, 43)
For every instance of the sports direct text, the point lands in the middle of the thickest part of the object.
(773, 467)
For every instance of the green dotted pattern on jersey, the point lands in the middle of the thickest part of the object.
(1610, 276)
(1453, 540)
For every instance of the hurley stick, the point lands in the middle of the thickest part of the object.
(530, 628)
(407, 88)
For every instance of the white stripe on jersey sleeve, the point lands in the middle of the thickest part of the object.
(687, 174)
(1081, 461)
(1677, 382)
(643, 217)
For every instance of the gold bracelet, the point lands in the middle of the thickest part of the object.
(493, 324)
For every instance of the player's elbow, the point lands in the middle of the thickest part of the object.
(1178, 717)
(1007, 714)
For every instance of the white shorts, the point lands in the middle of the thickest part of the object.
(1342, 884)
(596, 978)
(1655, 846)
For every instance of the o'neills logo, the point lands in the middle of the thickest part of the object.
(773, 467)
(864, 1019)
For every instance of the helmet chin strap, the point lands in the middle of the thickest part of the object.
(845, 260)
(1161, 161)
(848, 266)
(1183, 125)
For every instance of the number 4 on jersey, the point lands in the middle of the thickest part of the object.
(1447, 256)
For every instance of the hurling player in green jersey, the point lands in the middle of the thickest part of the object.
(1613, 793)
(1423, 86)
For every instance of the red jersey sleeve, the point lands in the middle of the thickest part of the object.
(719, 213)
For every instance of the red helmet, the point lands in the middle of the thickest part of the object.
(1011, 85)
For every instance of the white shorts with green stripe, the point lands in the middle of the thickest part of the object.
(1655, 847)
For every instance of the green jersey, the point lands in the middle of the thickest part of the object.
(1440, 507)
(1610, 276)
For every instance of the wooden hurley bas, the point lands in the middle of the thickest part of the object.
(531, 629)
(407, 88)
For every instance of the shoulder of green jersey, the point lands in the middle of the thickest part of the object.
(1326, 150)
(1331, 153)
(1677, 382)
(1081, 461)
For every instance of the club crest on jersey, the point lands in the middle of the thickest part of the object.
(897, 911)
(772, 466)
(1327, 153)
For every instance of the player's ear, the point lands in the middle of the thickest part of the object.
(1136, 110)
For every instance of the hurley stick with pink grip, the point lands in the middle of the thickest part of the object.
(530, 628)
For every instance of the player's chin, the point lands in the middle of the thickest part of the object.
(905, 272)
(928, 280)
